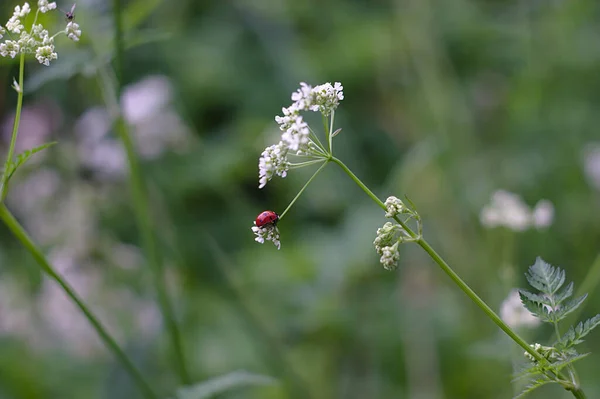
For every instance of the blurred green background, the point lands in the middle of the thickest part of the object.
(445, 101)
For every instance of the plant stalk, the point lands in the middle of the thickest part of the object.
(20, 233)
(15, 132)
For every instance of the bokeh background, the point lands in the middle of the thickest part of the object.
(446, 102)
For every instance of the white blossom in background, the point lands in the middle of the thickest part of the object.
(508, 210)
(513, 313)
(591, 164)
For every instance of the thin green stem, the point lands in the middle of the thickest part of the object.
(20, 233)
(330, 132)
(15, 132)
(119, 42)
(145, 225)
(446, 268)
(303, 188)
(575, 390)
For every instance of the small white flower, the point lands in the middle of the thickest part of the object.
(73, 32)
(45, 54)
(272, 162)
(14, 25)
(20, 12)
(296, 138)
(515, 314)
(44, 6)
(390, 256)
(9, 48)
(387, 236)
(268, 232)
(2, 31)
(394, 207)
(324, 98)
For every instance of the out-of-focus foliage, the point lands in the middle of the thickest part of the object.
(446, 101)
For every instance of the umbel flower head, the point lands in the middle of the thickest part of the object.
(267, 232)
(296, 134)
(22, 38)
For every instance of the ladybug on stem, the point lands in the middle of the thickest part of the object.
(265, 218)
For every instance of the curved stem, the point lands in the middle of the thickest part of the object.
(446, 268)
(303, 188)
(15, 132)
(144, 222)
(576, 391)
(20, 233)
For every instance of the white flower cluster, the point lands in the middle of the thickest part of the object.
(386, 244)
(325, 99)
(268, 232)
(515, 314)
(509, 210)
(273, 161)
(394, 207)
(36, 40)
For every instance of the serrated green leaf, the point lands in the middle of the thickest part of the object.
(532, 386)
(545, 277)
(568, 307)
(561, 364)
(567, 292)
(541, 299)
(574, 335)
(217, 385)
(537, 309)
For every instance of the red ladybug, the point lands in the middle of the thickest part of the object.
(266, 217)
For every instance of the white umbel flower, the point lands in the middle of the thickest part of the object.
(44, 6)
(45, 54)
(272, 162)
(9, 48)
(394, 207)
(515, 314)
(390, 256)
(20, 12)
(73, 32)
(268, 232)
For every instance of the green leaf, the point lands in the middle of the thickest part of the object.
(541, 299)
(561, 364)
(536, 308)
(575, 335)
(545, 277)
(564, 294)
(217, 385)
(534, 384)
(23, 157)
(568, 307)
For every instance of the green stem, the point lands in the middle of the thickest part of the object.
(446, 268)
(576, 391)
(302, 190)
(119, 42)
(20, 233)
(15, 132)
(145, 222)
(152, 247)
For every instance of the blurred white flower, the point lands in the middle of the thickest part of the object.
(513, 313)
(591, 164)
(543, 214)
(509, 210)
(157, 127)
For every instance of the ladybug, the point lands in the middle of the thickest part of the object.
(265, 218)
